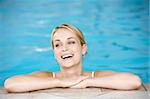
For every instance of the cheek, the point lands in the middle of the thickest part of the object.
(56, 53)
(77, 49)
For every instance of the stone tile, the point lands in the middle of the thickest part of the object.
(67, 93)
(147, 86)
(105, 90)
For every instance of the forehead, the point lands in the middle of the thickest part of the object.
(63, 33)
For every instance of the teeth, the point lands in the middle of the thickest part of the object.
(67, 56)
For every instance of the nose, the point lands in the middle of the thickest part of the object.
(64, 47)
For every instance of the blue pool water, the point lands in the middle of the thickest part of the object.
(116, 32)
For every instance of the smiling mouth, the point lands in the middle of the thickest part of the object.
(67, 56)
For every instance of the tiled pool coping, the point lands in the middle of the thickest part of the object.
(88, 93)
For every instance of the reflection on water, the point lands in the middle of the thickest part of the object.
(116, 32)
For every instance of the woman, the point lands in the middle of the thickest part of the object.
(69, 46)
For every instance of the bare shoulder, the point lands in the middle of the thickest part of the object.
(42, 74)
(109, 72)
(86, 73)
(104, 72)
(99, 73)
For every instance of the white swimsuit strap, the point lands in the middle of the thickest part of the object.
(93, 74)
(53, 74)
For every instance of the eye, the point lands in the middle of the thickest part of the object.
(71, 42)
(57, 45)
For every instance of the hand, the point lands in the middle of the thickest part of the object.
(68, 82)
(82, 84)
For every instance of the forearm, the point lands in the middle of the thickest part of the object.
(29, 83)
(122, 81)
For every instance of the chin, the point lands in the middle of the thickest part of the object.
(67, 65)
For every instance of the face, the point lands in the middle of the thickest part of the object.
(67, 48)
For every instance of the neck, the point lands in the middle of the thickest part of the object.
(72, 71)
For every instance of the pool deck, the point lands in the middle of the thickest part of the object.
(88, 93)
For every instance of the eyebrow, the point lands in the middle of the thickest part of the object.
(67, 38)
(71, 38)
(57, 40)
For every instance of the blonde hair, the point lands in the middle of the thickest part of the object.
(71, 28)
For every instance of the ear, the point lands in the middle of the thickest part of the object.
(84, 49)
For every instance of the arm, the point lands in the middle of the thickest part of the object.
(114, 80)
(30, 82)
(38, 80)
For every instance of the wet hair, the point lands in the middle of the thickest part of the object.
(71, 28)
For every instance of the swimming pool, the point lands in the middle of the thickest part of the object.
(116, 32)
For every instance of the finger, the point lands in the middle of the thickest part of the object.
(84, 77)
(78, 86)
(82, 84)
(81, 78)
(77, 81)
